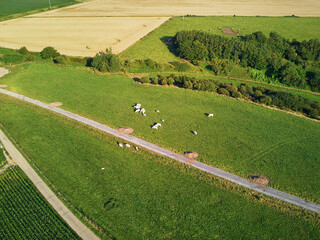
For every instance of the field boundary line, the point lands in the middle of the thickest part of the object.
(175, 156)
(74, 223)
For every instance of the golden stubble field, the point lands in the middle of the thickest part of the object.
(84, 29)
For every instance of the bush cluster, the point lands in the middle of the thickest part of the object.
(294, 63)
(257, 94)
(106, 62)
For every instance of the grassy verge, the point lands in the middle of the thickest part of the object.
(2, 157)
(242, 138)
(25, 213)
(153, 45)
(139, 195)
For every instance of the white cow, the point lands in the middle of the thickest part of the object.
(120, 145)
(143, 111)
(155, 127)
(138, 105)
(195, 133)
(137, 148)
(137, 110)
(210, 115)
(127, 145)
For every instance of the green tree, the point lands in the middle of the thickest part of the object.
(49, 53)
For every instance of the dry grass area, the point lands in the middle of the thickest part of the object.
(85, 29)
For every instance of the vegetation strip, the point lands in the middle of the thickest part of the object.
(62, 210)
(154, 148)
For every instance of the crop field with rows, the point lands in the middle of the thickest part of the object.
(25, 214)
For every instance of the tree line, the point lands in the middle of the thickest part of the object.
(258, 94)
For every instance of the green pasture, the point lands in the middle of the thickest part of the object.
(22, 6)
(139, 195)
(153, 45)
(24, 212)
(241, 138)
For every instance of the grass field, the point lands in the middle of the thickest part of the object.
(242, 138)
(21, 6)
(152, 46)
(24, 213)
(139, 195)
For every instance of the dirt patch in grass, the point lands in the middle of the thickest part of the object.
(55, 104)
(228, 31)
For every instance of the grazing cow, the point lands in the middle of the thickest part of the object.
(120, 145)
(162, 120)
(210, 115)
(155, 127)
(157, 111)
(127, 145)
(195, 133)
(137, 148)
(142, 111)
(137, 110)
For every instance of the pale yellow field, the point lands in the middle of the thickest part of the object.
(85, 29)
(79, 36)
(192, 7)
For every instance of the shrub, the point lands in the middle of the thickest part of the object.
(265, 100)
(60, 60)
(257, 93)
(163, 80)
(107, 62)
(155, 80)
(187, 84)
(170, 81)
(223, 91)
(23, 50)
(145, 79)
(30, 57)
(49, 53)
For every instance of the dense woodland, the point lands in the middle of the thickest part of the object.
(293, 63)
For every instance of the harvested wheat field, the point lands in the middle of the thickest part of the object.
(191, 7)
(80, 36)
(87, 28)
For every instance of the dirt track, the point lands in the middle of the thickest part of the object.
(87, 28)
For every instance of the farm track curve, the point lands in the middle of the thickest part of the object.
(178, 157)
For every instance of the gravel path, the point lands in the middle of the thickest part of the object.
(82, 230)
(178, 157)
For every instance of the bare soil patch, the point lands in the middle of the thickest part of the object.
(261, 180)
(126, 130)
(3, 71)
(228, 31)
(55, 104)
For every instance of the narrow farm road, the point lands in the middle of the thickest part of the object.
(82, 230)
(178, 157)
